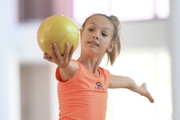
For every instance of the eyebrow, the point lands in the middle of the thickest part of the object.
(103, 27)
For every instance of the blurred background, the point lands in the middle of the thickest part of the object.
(150, 53)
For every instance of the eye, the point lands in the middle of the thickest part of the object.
(103, 34)
(90, 29)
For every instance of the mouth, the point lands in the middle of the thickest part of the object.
(93, 43)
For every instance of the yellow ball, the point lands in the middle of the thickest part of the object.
(57, 29)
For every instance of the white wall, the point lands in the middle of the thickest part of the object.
(174, 42)
(6, 23)
(145, 34)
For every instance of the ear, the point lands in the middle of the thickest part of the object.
(80, 30)
(111, 46)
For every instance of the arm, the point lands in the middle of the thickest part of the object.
(69, 72)
(126, 82)
(64, 63)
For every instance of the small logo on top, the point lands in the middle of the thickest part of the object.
(99, 86)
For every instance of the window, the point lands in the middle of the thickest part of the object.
(40, 9)
(125, 10)
(34, 9)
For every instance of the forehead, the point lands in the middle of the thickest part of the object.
(100, 21)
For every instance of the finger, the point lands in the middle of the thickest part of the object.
(151, 98)
(144, 86)
(47, 57)
(66, 52)
(71, 51)
(52, 51)
(57, 52)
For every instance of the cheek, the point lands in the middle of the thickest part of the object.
(86, 37)
(106, 43)
(104, 46)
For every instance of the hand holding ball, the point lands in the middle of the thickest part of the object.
(57, 29)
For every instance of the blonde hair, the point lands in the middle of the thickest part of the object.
(116, 37)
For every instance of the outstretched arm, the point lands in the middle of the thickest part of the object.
(126, 82)
(66, 67)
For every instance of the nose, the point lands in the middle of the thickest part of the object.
(95, 37)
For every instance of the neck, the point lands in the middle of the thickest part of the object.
(91, 63)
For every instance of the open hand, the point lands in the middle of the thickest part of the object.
(147, 94)
(61, 60)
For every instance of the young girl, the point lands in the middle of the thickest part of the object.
(82, 83)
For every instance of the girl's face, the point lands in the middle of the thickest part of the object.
(96, 35)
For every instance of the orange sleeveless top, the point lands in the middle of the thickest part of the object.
(83, 97)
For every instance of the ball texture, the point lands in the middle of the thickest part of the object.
(57, 29)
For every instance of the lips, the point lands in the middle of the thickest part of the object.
(94, 43)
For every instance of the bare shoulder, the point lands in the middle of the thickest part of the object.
(74, 66)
